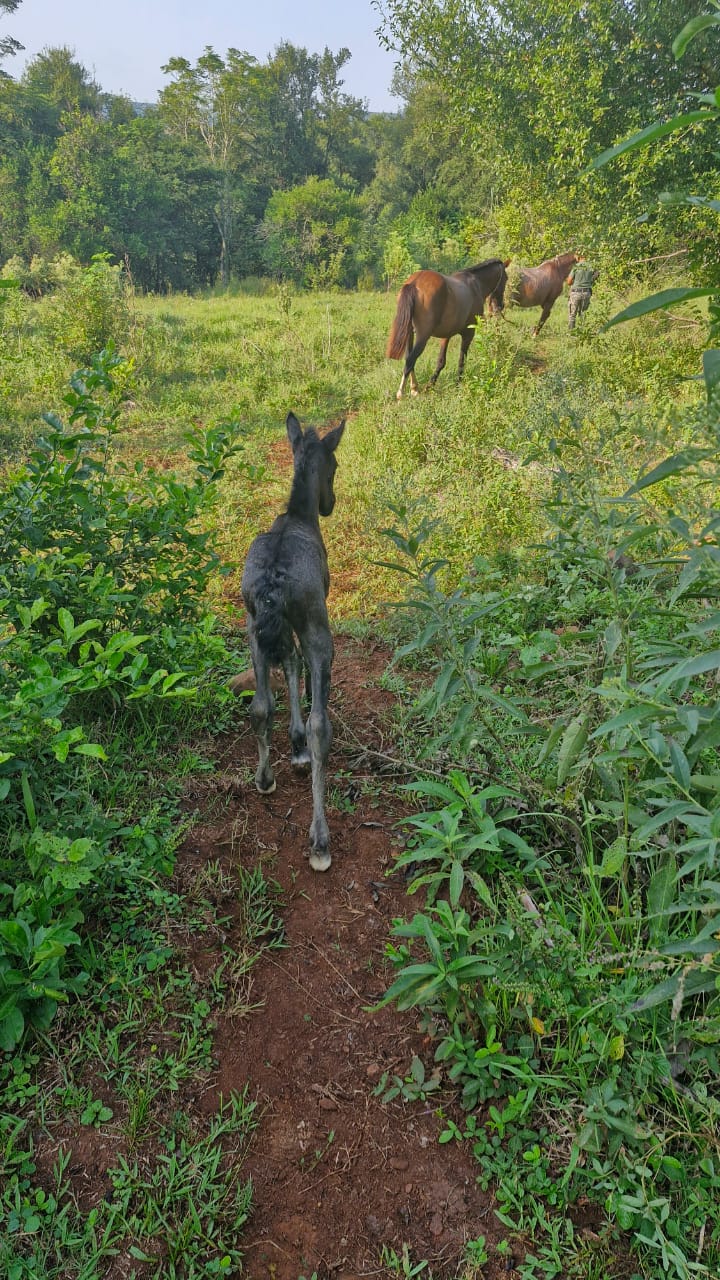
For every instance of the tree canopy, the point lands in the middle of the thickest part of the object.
(245, 167)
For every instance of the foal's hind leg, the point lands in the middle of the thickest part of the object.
(261, 711)
(318, 647)
(300, 756)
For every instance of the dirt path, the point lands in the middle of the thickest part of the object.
(336, 1173)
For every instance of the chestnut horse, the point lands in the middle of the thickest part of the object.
(541, 286)
(431, 305)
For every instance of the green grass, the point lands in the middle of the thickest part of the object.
(142, 1039)
(252, 359)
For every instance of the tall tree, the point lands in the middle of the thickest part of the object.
(213, 104)
(541, 91)
(57, 76)
(7, 44)
(315, 128)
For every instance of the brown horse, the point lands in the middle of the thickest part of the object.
(431, 305)
(541, 286)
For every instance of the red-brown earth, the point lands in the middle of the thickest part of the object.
(336, 1173)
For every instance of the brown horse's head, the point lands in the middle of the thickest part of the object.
(496, 298)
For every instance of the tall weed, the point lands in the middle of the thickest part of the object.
(575, 967)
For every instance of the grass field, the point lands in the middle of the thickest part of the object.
(250, 359)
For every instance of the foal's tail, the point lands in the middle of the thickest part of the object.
(403, 322)
(273, 631)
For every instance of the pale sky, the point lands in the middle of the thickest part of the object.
(124, 43)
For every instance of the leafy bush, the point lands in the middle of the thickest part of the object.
(568, 958)
(310, 232)
(40, 275)
(102, 578)
(89, 307)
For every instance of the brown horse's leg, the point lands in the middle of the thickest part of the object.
(409, 371)
(547, 308)
(466, 338)
(403, 380)
(442, 357)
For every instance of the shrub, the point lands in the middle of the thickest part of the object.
(568, 956)
(89, 307)
(102, 578)
(310, 233)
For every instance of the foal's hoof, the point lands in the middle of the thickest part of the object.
(301, 761)
(266, 790)
(320, 860)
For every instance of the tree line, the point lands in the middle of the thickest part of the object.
(250, 168)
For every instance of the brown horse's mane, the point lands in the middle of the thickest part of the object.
(488, 262)
(559, 258)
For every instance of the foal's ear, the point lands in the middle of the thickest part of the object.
(507, 262)
(333, 438)
(294, 431)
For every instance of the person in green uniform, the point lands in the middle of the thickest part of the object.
(581, 281)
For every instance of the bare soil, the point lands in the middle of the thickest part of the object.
(336, 1172)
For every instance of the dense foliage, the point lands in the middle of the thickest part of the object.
(536, 96)
(556, 652)
(247, 168)
(102, 578)
(566, 956)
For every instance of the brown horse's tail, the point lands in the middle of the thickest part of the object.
(403, 322)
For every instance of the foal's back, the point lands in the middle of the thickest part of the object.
(290, 560)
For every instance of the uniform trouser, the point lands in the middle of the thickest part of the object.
(578, 301)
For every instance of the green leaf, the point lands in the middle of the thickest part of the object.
(67, 623)
(680, 197)
(17, 937)
(481, 889)
(650, 133)
(457, 880)
(573, 741)
(711, 368)
(90, 749)
(677, 809)
(671, 466)
(613, 859)
(694, 983)
(503, 704)
(692, 29)
(417, 1070)
(680, 766)
(612, 637)
(552, 740)
(703, 662)
(659, 302)
(660, 894)
(432, 942)
(11, 1029)
(29, 802)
